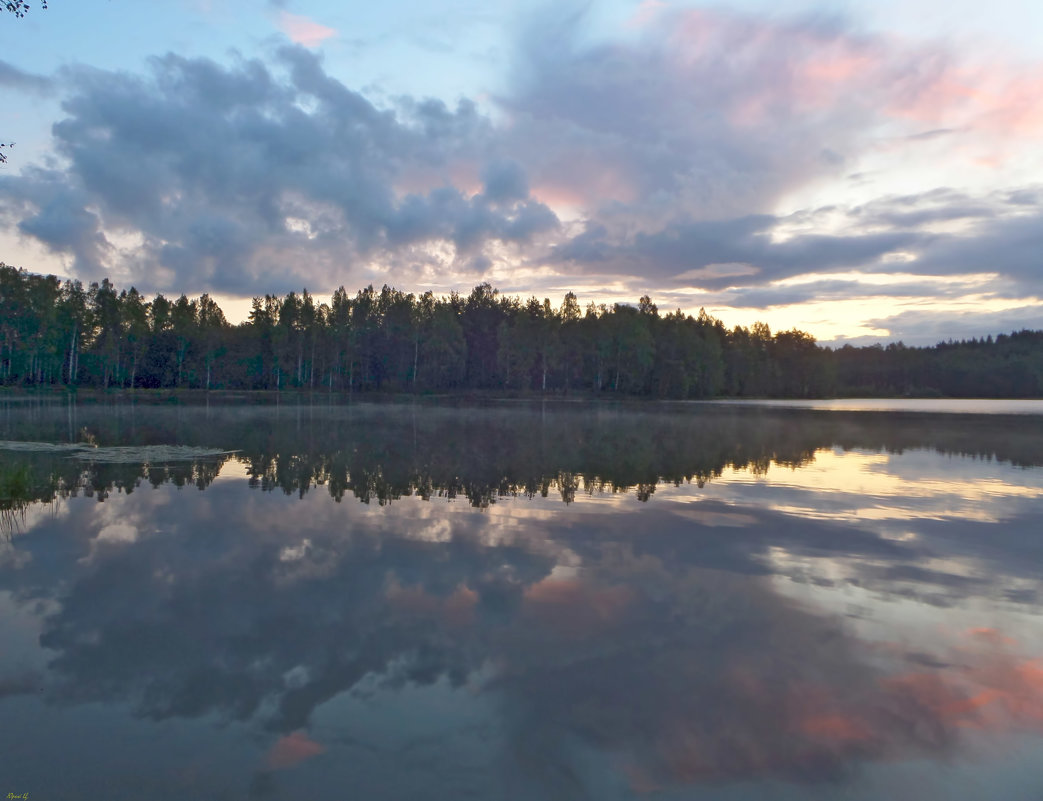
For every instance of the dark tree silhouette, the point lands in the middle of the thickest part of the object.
(20, 8)
(60, 333)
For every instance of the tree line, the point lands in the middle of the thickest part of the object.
(55, 332)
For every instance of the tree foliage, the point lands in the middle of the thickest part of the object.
(20, 8)
(62, 333)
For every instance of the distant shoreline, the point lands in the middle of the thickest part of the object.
(253, 395)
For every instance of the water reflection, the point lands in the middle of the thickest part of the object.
(381, 453)
(712, 613)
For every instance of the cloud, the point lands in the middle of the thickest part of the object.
(304, 31)
(679, 144)
(24, 683)
(210, 168)
(13, 78)
(919, 328)
(1010, 246)
(504, 181)
(966, 255)
(290, 750)
(664, 125)
(716, 114)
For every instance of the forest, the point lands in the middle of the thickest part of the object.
(56, 333)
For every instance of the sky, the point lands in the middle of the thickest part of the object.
(866, 172)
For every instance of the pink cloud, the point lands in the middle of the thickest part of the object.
(583, 178)
(713, 113)
(783, 71)
(814, 66)
(304, 31)
(292, 750)
(645, 13)
(999, 99)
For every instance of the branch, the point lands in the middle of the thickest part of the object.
(20, 8)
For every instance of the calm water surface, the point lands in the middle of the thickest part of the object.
(520, 602)
(1032, 406)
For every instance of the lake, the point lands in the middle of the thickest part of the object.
(520, 601)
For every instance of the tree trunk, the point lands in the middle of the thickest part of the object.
(72, 354)
(416, 356)
(182, 352)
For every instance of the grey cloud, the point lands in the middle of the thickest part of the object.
(26, 683)
(826, 289)
(445, 214)
(62, 220)
(899, 215)
(936, 133)
(1012, 246)
(921, 328)
(673, 249)
(1025, 197)
(686, 253)
(64, 224)
(678, 248)
(941, 203)
(208, 162)
(505, 181)
(13, 78)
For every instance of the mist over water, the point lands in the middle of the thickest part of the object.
(522, 601)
